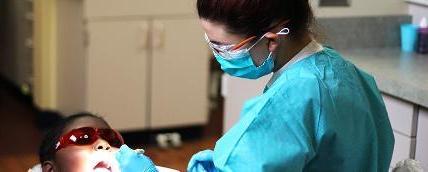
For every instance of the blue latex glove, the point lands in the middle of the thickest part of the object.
(131, 161)
(202, 162)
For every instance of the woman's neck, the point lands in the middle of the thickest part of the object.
(289, 48)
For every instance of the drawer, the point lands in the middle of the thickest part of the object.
(401, 114)
(404, 148)
(422, 138)
(111, 8)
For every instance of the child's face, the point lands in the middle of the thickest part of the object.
(96, 157)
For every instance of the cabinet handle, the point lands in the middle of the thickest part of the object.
(143, 36)
(158, 35)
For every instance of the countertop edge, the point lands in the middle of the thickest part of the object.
(393, 72)
(401, 90)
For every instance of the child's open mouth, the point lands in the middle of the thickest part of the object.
(102, 167)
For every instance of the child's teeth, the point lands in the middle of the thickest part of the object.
(101, 170)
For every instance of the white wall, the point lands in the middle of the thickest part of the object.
(362, 8)
(418, 12)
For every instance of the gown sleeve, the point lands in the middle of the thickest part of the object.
(277, 133)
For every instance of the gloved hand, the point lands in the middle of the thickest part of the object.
(202, 162)
(132, 161)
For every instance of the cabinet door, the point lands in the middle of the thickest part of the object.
(402, 115)
(422, 138)
(117, 72)
(404, 148)
(180, 73)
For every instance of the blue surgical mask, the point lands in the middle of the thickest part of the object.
(239, 63)
(242, 66)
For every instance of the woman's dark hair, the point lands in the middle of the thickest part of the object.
(256, 17)
(47, 147)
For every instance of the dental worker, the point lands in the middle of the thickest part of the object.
(319, 112)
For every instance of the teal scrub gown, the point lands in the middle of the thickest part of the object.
(321, 114)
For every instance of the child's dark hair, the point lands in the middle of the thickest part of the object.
(47, 147)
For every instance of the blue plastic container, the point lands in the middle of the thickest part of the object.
(409, 35)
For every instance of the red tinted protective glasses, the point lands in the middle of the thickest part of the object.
(87, 136)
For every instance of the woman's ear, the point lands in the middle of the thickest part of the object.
(48, 166)
(273, 41)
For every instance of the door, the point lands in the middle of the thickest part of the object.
(180, 73)
(117, 72)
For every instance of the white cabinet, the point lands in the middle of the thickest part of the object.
(410, 124)
(179, 73)
(118, 72)
(403, 117)
(404, 148)
(422, 138)
(145, 70)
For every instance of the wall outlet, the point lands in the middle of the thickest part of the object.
(335, 3)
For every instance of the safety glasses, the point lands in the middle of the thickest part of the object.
(224, 50)
(227, 51)
(87, 136)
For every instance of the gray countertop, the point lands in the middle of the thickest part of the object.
(398, 74)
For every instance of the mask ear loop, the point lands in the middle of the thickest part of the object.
(284, 31)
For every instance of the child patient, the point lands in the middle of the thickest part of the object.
(85, 142)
